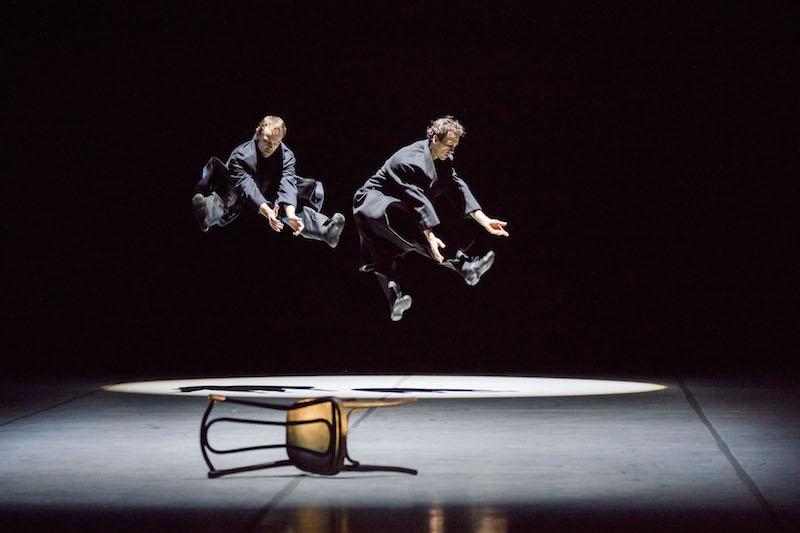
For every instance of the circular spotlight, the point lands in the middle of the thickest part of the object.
(385, 386)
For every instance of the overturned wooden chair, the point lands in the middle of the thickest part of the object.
(316, 435)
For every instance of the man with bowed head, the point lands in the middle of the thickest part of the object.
(416, 202)
(260, 174)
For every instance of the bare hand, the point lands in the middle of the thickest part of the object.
(435, 243)
(296, 223)
(274, 222)
(496, 227)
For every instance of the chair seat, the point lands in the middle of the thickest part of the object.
(316, 436)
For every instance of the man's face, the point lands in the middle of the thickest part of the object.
(441, 148)
(268, 140)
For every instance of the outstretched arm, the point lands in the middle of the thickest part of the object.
(492, 225)
(287, 187)
(244, 181)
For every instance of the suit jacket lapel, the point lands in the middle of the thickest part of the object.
(430, 168)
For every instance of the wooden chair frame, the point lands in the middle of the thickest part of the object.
(302, 444)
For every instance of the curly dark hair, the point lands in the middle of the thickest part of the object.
(442, 125)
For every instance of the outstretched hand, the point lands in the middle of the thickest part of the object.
(274, 222)
(296, 223)
(435, 243)
(492, 225)
(496, 227)
(272, 216)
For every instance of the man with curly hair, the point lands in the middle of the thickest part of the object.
(414, 203)
(260, 174)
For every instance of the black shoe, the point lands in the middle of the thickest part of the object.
(333, 230)
(401, 303)
(200, 210)
(477, 267)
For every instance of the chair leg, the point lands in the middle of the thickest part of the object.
(262, 466)
(358, 467)
(377, 468)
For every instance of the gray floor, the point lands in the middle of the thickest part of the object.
(716, 455)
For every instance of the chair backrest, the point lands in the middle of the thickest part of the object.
(316, 431)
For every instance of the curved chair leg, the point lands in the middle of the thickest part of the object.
(377, 468)
(357, 405)
(218, 473)
(204, 444)
(356, 466)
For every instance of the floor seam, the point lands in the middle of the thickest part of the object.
(48, 408)
(263, 514)
(723, 447)
(369, 411)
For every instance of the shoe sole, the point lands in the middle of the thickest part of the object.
(400, 306)
(340, 223)
(478, 275)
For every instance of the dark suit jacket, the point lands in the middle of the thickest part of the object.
(258, 179)
(411, 176)
(411, 181)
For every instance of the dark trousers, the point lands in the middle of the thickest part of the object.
(314, 222)
(453, 230)
(222, 200)
(220, 195)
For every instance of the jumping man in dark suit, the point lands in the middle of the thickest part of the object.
(416, 192)
(260, 174)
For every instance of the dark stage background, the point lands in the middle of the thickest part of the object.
(641, 154)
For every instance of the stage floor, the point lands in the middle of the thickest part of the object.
(718, 454)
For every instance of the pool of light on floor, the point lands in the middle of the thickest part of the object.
(385, 386)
